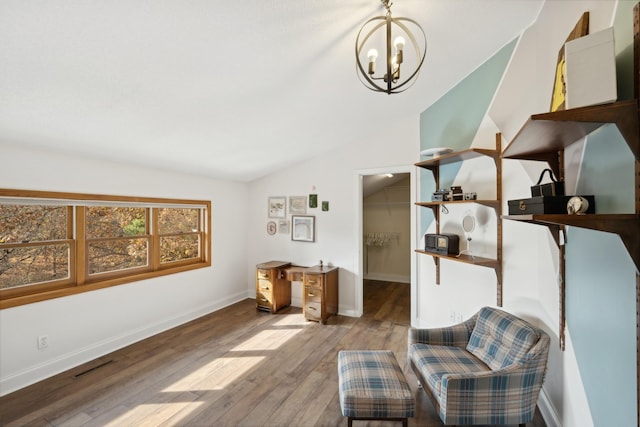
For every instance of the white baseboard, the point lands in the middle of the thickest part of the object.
(33, 374)
(547, 410)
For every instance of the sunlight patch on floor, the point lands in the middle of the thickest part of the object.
(292, 320)
(270, 339)
(151, 414)
(216, 374)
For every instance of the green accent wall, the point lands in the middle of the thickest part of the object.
(454, 119)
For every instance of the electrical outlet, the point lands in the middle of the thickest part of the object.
(43, 341)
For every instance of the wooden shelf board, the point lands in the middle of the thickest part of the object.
(458, 156)
(490, 203)
(467, 259)
(550, 132)
(601, 222)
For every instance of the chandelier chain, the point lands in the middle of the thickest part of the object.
(387, 4)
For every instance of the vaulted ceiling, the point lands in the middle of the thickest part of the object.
(227, 89)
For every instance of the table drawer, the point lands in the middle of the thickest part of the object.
(313, 310)
(314, 280)
(263, 274)
(264, 299)
(312, 294)
(264, 286)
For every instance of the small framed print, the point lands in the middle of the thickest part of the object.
(303, 228)
(297, 205)
(277, 207)
(283, 226)
(271, 228)
(325, 206)
(313, 200)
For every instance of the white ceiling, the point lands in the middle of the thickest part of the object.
(226, 89)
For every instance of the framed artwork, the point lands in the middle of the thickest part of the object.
(303, 228)
(283, 226)
(271, 228)
(559, 84)
(297, 205)
(313, 200)
(277, 207)
(325, 206)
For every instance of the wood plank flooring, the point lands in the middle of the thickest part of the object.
(234, 367)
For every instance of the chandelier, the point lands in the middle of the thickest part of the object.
(399, 30)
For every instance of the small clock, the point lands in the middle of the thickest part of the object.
(577, 205)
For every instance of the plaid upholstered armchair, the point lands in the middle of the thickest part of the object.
(486, 370)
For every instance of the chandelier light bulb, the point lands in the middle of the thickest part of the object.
(372, 55)
(399, 43)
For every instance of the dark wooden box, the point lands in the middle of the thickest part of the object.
(545, 205)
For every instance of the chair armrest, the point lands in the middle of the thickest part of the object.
(455, 335)
(515, 387)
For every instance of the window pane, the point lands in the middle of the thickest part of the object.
(35, 264)
(177, 220)
(32, 223)
(119, 254)
(177, 248)
(105, 221)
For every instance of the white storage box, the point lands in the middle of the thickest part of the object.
(590, 75)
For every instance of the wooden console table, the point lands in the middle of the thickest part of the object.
(319, 288)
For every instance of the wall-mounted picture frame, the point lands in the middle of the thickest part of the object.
(313, 200)
(271, 228)
(325, 206)
(303, 228)
(277, 207)
(283, 226)
(297, 205)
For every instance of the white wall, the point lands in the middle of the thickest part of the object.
(85, 326)
(334, 176)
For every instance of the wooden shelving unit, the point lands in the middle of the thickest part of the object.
(545, 136)
(433, 165)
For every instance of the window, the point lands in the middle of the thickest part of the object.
(57, 244)
(35, 245)
(179, 235)
(117, 239)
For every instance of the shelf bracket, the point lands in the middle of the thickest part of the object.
(558, 232)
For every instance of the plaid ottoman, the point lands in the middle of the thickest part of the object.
(373, 387)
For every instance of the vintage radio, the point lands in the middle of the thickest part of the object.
(442, 244)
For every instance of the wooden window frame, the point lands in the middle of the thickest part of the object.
(79, 280)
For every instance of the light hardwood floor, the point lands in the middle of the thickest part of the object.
(234, 367)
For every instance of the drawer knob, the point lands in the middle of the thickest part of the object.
(264, 287)
(311, 294)
(312, 308)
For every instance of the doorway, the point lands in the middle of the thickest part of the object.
(386, 224)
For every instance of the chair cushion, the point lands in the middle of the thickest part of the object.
(434, 361)
(500, 339)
